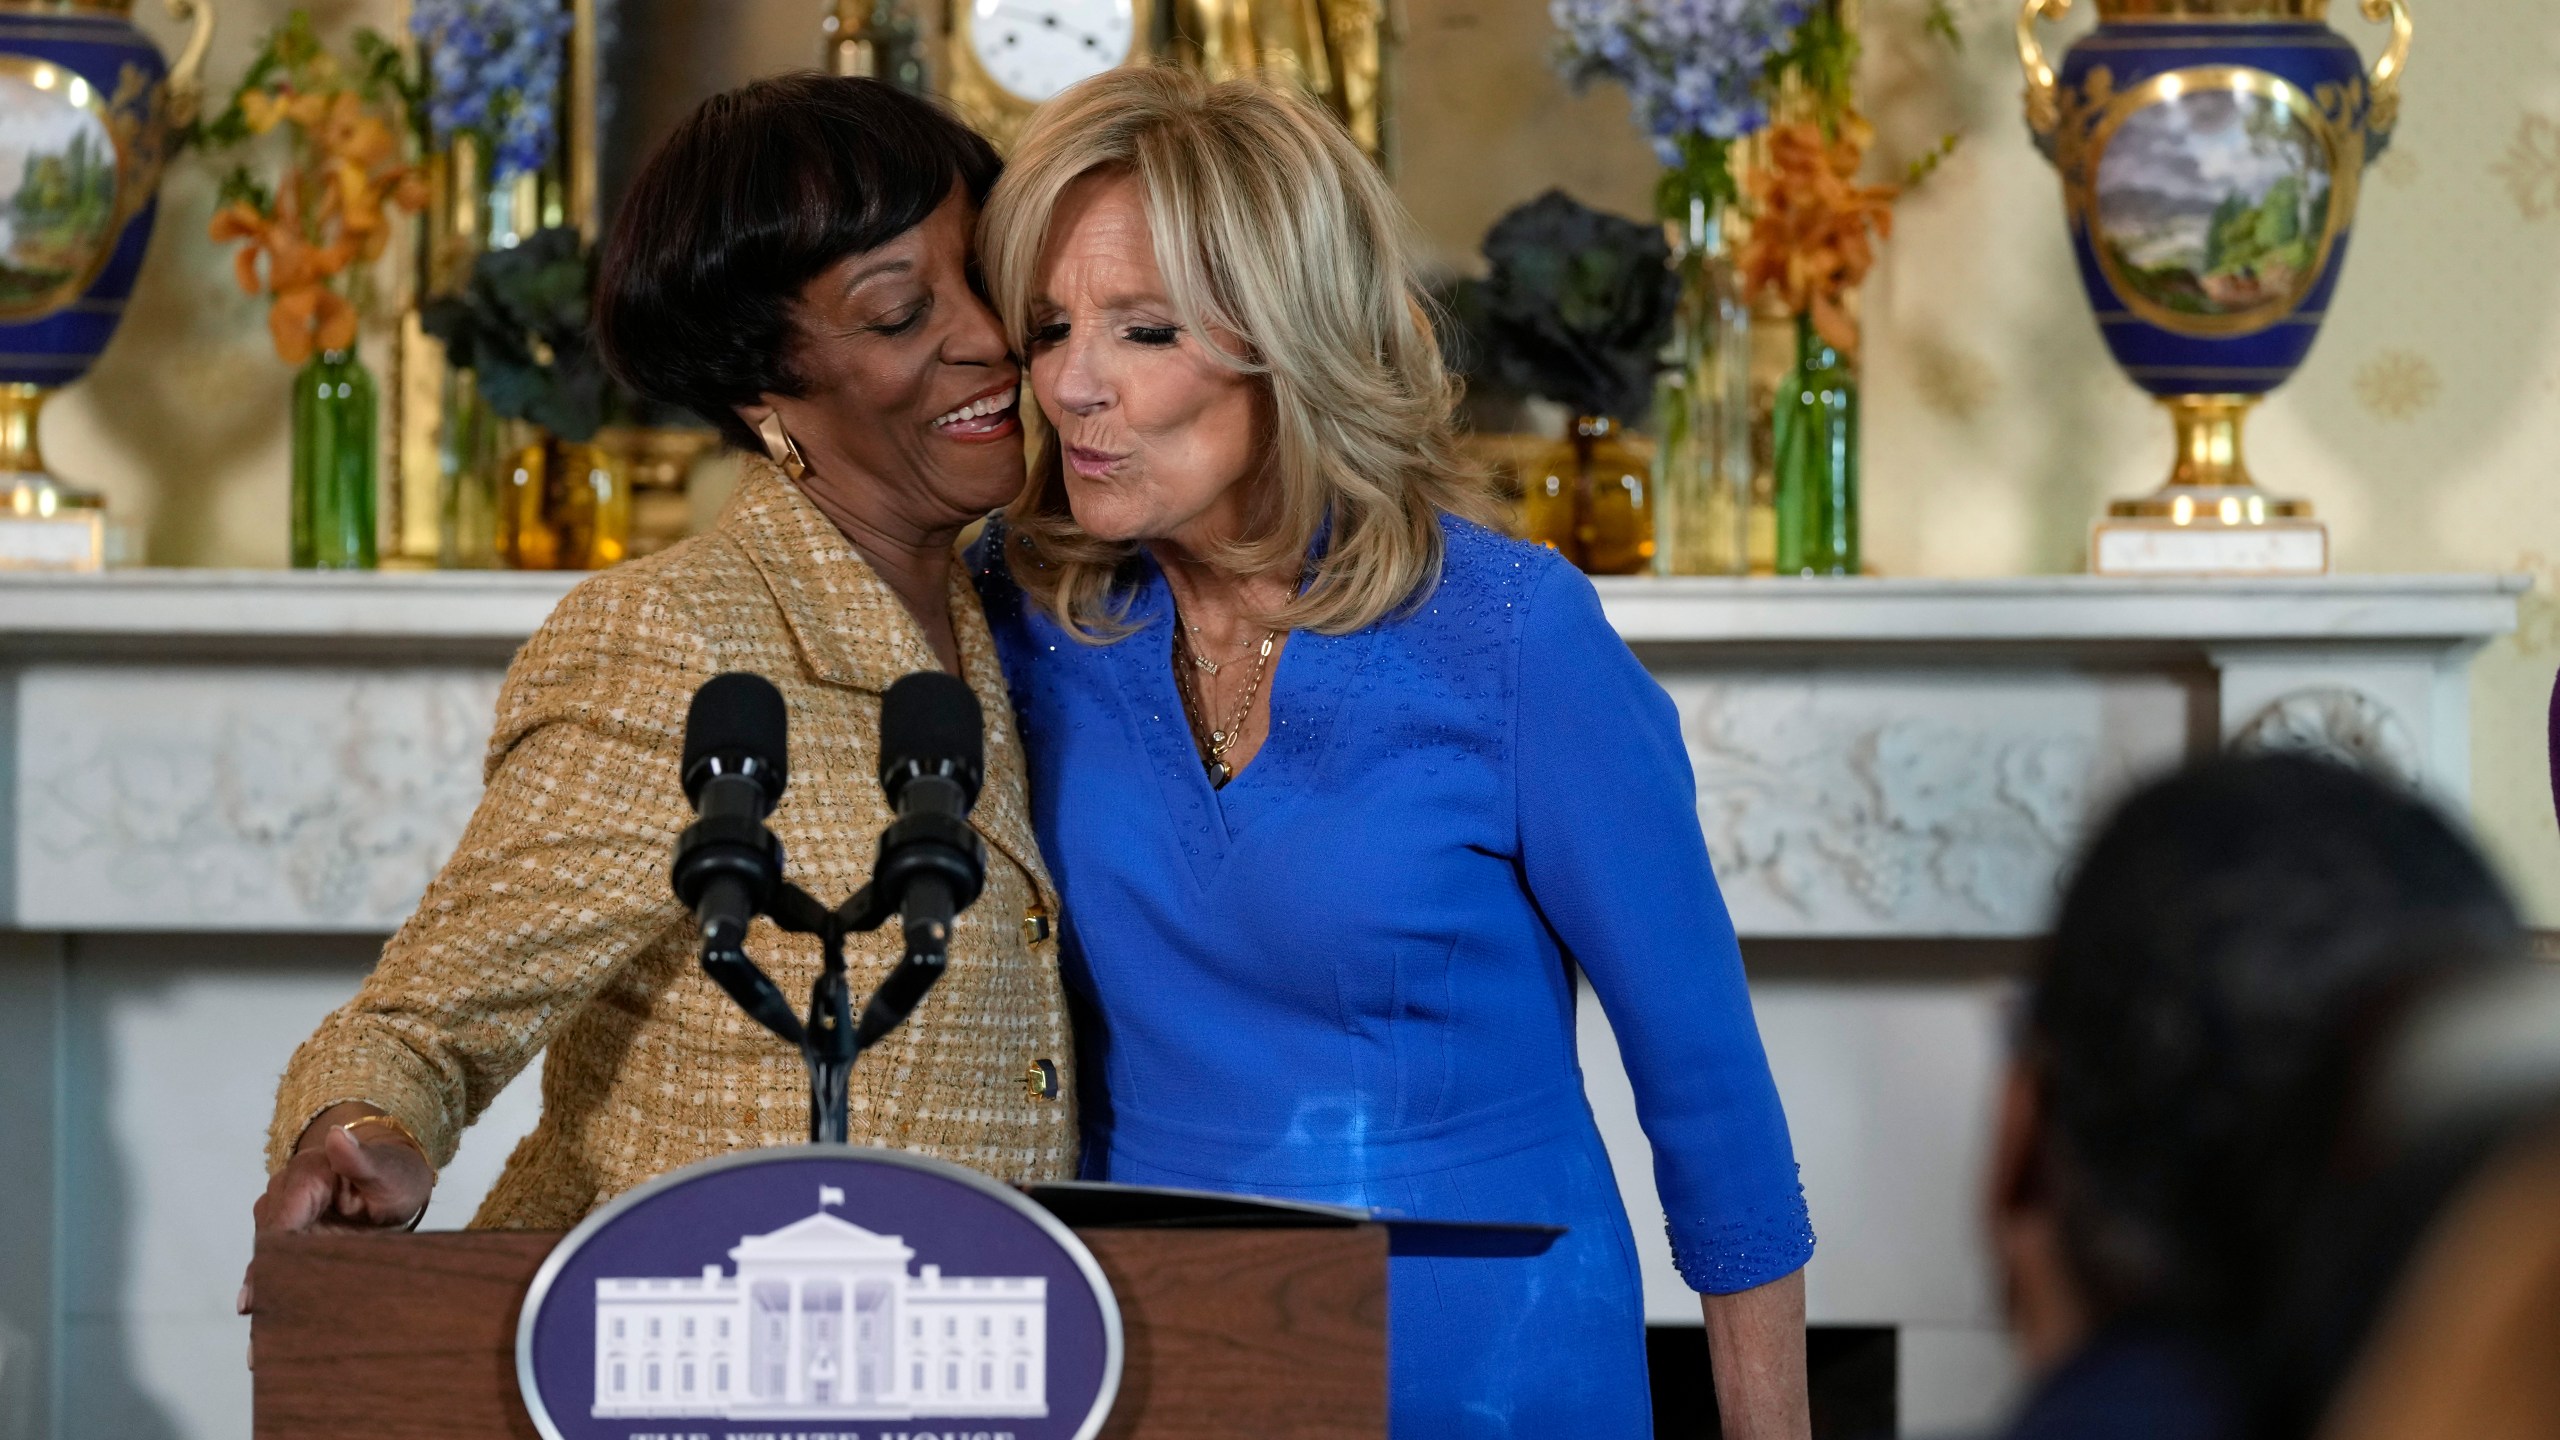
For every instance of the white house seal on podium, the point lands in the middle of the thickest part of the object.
(912, 1290)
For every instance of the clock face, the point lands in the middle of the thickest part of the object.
(1036, 48)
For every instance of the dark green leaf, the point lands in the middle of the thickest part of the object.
(1823, 57)
(521, 322)
(239, 184)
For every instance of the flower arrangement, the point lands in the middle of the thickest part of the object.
(305, 241)
(1703, 76)
(493, 73)
(1696, 71)
(1814, 228)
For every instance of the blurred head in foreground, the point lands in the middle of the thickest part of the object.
(2225, 954)
(2423, 1302)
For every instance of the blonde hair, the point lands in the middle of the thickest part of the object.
(1269, 224)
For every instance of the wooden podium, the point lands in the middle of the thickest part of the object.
(1229, 1332)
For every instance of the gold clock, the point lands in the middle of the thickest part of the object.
(1006, 56)
(1003, 57)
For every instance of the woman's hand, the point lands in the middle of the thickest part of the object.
(1756, 1339)
(372, 1178)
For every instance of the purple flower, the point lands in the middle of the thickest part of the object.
(494, 73)
(1691, 67)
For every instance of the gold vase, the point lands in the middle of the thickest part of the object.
(658, 459)
(562, 504)
(1591, 499)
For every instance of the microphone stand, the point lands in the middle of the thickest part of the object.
(929, 868)
(830, 1040)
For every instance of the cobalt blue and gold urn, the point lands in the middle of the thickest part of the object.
(87, 110)
(2211, 152)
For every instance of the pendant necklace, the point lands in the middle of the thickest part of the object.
(1219, 739)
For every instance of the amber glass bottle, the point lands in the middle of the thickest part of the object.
(1591, 501)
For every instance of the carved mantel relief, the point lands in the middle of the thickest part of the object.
(1910, 807)
(2337, 723)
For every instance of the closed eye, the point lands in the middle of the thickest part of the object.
(1049, 334)
(903, 323)
(1154, 334)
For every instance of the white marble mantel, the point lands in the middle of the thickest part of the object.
(2079, 610)
(265, 751)
(284, 613)
(165, 608)
(197, 766)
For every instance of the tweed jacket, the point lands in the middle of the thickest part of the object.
(552, 929)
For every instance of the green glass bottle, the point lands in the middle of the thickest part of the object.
(1817, 462)
(335, 463)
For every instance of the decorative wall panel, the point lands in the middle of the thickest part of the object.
(241, 798)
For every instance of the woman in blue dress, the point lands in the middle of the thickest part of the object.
(1340, 786)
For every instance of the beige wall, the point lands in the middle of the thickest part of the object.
(2426, 426)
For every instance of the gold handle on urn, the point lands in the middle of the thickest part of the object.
(2384, 112)
(149, 123)
(186, 77)
(2044, 108)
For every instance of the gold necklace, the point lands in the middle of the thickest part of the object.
(1218, 740)
(1200, 657)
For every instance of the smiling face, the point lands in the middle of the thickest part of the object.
(1157, 436)
(908, 419)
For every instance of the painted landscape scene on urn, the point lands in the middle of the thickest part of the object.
(58, 179)
(2213, 207)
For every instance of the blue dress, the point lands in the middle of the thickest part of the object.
(1347, 976)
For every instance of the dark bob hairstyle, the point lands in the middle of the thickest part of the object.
(753, 195)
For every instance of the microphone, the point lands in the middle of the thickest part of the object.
(736, 764)
(932, 760)
(930, 865)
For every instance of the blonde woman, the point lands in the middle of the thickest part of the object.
(1340, 786)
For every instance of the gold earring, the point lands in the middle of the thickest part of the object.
(779, 445)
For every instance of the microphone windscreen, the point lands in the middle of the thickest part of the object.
(736, 716)
(931, 721)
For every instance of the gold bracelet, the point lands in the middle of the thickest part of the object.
(402, 1126)
(395, 1122)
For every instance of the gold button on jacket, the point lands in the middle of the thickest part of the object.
(552, 929)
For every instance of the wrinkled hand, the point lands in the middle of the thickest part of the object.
(373, 1179)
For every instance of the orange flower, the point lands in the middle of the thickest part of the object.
(1813, 228)
(309, 319)
(357, 199)
(359, 138)
(328, 216)
(293, 263)
(262, 110)
(240, 220)
(308, 109)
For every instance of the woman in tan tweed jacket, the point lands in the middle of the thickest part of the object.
(816, 304)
